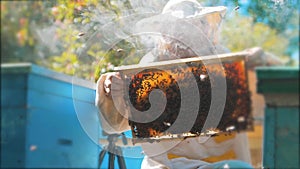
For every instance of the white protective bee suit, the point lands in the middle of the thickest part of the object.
(197, 152)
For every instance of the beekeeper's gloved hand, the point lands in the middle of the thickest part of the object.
(110, 101)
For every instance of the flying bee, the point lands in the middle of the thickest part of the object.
(236, 8)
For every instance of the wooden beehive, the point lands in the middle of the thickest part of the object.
(41, 126)
(167, 75)
(280, 88)
(49, 120)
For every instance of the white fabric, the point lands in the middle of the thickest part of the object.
(192, 151)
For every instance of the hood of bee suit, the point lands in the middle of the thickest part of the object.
(182, 20)
(187, 10)
(190, 9)
(207, 19)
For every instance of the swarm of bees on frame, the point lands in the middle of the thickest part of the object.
(236, 114)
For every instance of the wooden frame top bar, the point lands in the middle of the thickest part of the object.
(205, 59)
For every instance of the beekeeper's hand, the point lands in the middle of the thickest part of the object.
(110, 101)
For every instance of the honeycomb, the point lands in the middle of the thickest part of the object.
(236, 113)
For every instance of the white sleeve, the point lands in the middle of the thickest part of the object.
(149, 163)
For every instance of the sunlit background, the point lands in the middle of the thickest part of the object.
(54, 34)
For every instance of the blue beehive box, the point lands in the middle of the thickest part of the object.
(280, 87)
(49, 119)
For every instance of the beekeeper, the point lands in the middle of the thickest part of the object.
(222, 151)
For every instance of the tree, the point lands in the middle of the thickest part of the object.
(280, 16)
(82, 21)
(276, 14)
(277, 18)
(239, 33)
(61, 34)
(18, 20)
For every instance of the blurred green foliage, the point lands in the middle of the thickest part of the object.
(79, 24)
(74, 23)
(240, 33)
(18, 43)
(276, 14)
(281, 16)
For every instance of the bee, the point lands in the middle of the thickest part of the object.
(236, 8)
(167, 124)
(120, 50)
(81, 34)
(212, 132)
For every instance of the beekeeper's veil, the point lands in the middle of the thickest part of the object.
(180, 22)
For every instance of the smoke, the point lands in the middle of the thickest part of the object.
(47, 37)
